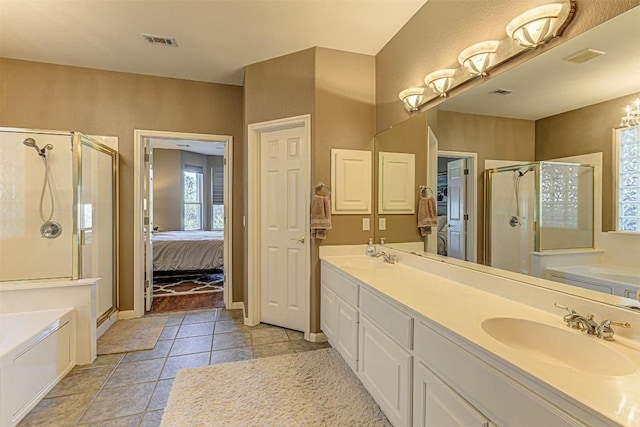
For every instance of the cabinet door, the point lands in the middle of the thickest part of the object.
(346, 332)
(435, 404)
(328, 311)
(385, 370)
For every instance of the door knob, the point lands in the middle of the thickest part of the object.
(300, 240)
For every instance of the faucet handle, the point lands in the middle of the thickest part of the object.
(564, 307)
(605, 332)
(569, 318)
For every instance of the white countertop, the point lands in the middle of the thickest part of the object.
(461, 309)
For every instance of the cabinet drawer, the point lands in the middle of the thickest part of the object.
(499, 397)
(342, 285)
(391, 320)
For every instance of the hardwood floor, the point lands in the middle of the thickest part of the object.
(163, 304)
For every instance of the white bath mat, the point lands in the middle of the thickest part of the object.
(314, 388)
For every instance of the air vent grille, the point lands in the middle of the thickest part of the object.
(502, 92)
(583, 56)
(160, 40)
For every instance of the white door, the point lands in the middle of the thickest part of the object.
(148, 225)
(283, 228)
(456, 209)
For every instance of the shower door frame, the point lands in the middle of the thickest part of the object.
(487, 205)
(78, 139)
(537, 209)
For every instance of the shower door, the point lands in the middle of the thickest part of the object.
(97, 219)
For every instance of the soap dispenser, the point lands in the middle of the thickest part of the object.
(371, 249)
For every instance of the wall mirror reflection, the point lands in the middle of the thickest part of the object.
(547, 138)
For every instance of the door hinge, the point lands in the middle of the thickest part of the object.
(146, 220)
(146, 284)
(466, 171)
(466, 217)
(224, 161)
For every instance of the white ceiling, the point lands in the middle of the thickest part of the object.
(546, 85)
(210, 148)
(215, 38)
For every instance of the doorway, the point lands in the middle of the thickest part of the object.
(278, 228)
(186, 246)
(456, 196)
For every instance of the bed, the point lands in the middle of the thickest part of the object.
(188, 250)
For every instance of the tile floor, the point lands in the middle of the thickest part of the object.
(131, 389)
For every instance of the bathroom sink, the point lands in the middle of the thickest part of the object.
(558, 346)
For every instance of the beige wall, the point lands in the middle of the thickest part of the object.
(167, 200)
(47, 96)
(583, 131)
(432, 39)
(493, 138)
(337, 89)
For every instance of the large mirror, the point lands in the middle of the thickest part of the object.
(563, 106)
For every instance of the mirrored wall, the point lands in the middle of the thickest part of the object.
(546, 109)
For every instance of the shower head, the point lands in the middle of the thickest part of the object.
(30, 142)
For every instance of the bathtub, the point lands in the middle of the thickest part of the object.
(37, 349)
(613, 280)
(42, 295)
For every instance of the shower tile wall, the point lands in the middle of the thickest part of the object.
(24, 254)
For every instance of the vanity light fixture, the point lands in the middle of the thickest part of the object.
(478, 58)
(632, 116)
(538, 25)
(440, 81)
(412, 98)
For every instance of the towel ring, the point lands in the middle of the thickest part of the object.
(320, 186)
(422, 191)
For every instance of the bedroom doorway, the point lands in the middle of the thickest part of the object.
(456, 196)
(183, 232)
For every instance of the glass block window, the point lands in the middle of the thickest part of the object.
(559, 195)
(629, 179)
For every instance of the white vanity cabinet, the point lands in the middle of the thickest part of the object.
(339, 315)
(476, 388)
(385, 361)
(385, 370)
(437, 404)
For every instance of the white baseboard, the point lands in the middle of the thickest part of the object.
(107, 324)
(237, 305)
(317, 337)
(128, 314)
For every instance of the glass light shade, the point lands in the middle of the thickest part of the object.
(440, 81)
(412, 98)
(536, 26)
(632, 115)
(478, 58)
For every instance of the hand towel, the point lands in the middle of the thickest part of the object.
(320, 216)
(427, 215)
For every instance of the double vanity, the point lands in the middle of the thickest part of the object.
(437, 344)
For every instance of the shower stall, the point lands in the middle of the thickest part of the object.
(58, 211)
(537, 207)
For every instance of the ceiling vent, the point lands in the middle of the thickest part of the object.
(160, 40)
(502, 92)
(583, 56)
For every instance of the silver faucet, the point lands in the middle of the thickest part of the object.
(589, 326)
(388, 258)
(578, 321)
